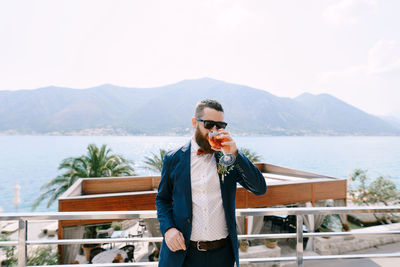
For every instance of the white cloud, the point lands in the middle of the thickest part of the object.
(347, 11)
(346, 73)
(271, 45)
(371, 86)
(383, 57)
(231, 17)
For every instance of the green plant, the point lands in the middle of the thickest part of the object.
(98, 162)
(155, 162)
(116, 226)
(90, 232)
(43, 256)
(11, 259)
(379, 191)
(331, 222)
(244, 245)
(103, 226)
(39, 256)
(270, 242)
(252, 156)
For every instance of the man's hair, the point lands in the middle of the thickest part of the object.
(207, 103)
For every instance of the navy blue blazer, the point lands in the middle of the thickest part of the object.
(174, 198)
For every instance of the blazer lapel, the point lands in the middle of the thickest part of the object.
(185, 173)
(217, 156)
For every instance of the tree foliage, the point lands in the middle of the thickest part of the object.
(98, 162)
(155, 161)
(252, 156)
(379, 191)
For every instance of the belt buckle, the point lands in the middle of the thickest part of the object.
(198, 246)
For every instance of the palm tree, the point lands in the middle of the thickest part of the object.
(252, 156)
(98, 162)
(155, 162)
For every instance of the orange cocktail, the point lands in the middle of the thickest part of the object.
(216, 141)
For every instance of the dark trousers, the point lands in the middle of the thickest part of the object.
(220, 257)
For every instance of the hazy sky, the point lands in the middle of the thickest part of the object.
(347, 48)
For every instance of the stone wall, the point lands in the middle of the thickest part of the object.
(344, 244)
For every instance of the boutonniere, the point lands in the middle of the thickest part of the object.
(223, 169)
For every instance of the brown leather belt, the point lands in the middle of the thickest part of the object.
(209, 245)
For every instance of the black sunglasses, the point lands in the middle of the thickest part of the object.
(210, 124)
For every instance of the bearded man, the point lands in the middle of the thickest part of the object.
(196, 202)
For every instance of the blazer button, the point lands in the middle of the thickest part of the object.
(188, 220)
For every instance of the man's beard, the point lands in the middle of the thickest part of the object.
(202, 141)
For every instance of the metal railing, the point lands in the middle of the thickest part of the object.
(23, 242)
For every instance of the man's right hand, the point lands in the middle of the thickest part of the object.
(174, 239)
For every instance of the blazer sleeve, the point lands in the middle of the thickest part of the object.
(249, 176)
(164, 197)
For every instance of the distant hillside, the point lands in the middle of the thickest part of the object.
(393, 120)
(109, 109)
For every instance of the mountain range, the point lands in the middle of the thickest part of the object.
(167, 110)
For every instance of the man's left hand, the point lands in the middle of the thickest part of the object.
(229, 144)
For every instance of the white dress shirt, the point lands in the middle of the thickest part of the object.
(208, 221)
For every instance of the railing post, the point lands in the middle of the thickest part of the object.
(22, 236)
(299, 238)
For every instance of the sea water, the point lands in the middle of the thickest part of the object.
(31, 161)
